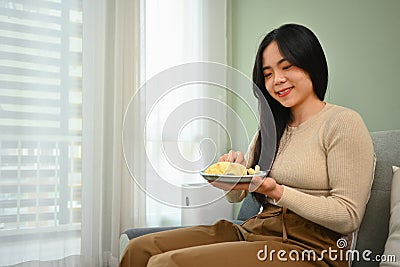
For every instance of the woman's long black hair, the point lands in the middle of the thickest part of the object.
(300, 47)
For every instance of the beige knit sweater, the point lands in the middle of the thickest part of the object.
(326, 166)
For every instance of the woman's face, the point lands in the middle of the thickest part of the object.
(290, 85)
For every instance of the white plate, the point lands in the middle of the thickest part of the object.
(226, 178)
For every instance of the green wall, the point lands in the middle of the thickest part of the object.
(361, 39)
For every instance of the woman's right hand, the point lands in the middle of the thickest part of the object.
(233, 156)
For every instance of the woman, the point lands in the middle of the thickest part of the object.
(317, 188)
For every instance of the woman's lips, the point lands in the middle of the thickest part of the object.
(284, 92)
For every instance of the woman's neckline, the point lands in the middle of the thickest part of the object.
(309, 121)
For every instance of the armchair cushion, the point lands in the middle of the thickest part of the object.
(392, 247)
(375, 225)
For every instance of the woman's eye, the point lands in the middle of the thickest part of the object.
(267, 75)
(287, 67)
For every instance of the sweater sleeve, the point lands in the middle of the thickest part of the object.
(350, 166)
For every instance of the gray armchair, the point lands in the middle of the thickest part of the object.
(373, 231)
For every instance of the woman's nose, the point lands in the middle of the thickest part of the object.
(279, 78)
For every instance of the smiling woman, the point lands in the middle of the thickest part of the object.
(282, 78)
(317, 187)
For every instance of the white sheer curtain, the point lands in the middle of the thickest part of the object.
(68, 69)
(112, 74)
(180, 32)
(40, 130)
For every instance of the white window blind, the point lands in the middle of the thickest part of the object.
(40, 117)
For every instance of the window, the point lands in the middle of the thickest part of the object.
(178, 32)
(40, 120)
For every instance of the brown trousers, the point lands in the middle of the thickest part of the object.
(275, 237)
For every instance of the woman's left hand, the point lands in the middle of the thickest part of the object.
(266, 186)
